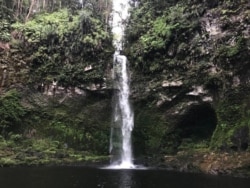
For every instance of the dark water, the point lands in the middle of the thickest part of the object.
(88, 177)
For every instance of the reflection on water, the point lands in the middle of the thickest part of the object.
(86, 177)
(125, 179)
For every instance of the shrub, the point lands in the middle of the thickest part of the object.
(11, 111)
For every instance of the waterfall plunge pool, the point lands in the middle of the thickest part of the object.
(93, 177)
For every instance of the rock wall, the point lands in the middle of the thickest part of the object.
(195, 78)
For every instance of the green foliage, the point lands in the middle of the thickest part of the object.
(5, 30)
(158, 37)
(7, 161)
(45, 24)
(232, 131)
(64, 132)
(45, 145)
(63, 44)
(11, 111)
(231, 51)
(74, 125)
(6, 13)
(58, 44)
(41, 151)
(150, 34)
(189, 144)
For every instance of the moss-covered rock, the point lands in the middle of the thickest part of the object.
(233, 125)
(202, 46)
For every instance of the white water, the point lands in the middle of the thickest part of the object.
(123, 117)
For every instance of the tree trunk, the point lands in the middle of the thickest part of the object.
(44, 4)
(18, 8)
(30, 10)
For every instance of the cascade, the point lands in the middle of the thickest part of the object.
(123, 118)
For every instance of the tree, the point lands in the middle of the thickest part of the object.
(30, 9)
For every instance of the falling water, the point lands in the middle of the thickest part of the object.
(123, 117)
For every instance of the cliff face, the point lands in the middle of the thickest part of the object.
(190, 62)
(54, 96)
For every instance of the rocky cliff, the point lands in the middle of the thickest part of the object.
(190, 79)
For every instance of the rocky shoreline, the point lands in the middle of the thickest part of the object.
(235, 164)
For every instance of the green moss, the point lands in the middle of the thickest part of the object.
(149, 131)
(190, 144)
(233, 121)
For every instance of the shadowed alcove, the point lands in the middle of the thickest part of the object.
(198, 123)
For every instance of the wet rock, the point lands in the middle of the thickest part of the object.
(240, 138)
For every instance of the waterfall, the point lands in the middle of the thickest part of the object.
(123, 117)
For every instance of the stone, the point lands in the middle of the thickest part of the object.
(177, 83)
(197, 90)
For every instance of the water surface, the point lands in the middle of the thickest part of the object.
(88, 177)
